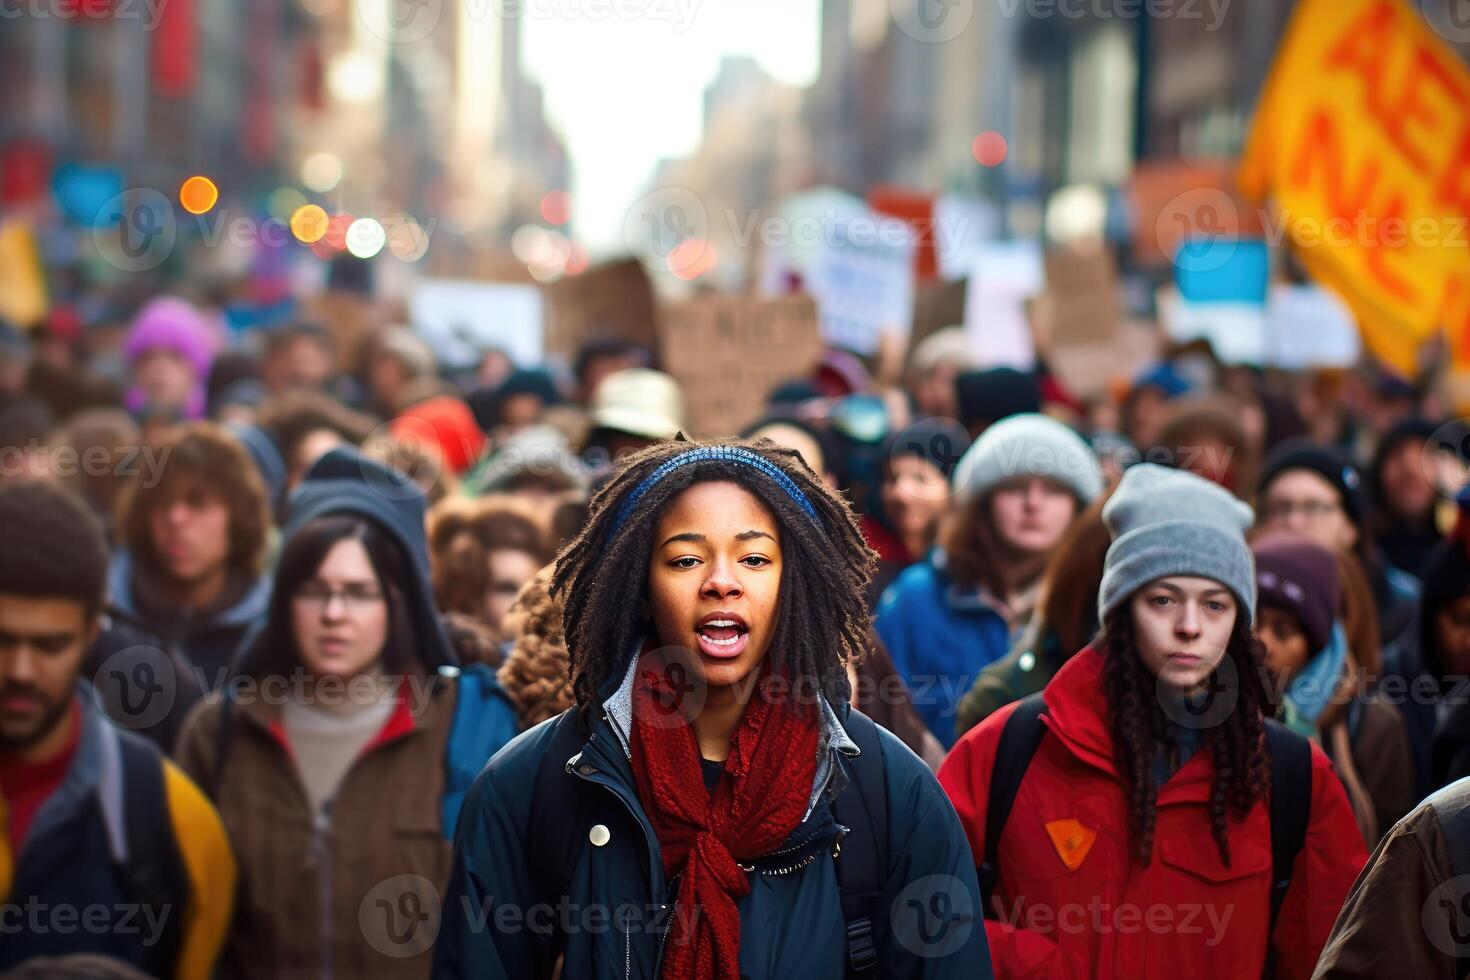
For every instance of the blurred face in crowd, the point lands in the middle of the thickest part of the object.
(934, 392)
(1406, 485)
(386, 377)
(1452, 631)
(509, 570)
(1182, 625)
(1210, 457)
(603, 365)
(190, 531)
(1302, 502)
(714, 580)
(1287, 647)
(312, 448)
(1032, 513)
(42, 643)
(340, 616)
(915, 495)
(518, 412)
(1146, 420)
(165, 377)
(494, 368)
(302, 362)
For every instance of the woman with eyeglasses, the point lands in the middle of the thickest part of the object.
(339, 754)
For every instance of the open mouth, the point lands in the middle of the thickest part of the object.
(722, 635)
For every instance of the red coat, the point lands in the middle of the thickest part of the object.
(1103, 914)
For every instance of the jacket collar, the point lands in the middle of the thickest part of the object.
(1077, 713)
(832, 737)
(122, 599)
(95, 773)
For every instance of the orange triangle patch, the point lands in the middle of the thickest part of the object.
(1072, 841)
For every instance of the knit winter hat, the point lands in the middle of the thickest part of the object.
(1026, 446)
(1298, 575)
(1170, 522)
(1328, 463)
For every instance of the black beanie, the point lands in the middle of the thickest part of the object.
(999, 393)
(1330, 464)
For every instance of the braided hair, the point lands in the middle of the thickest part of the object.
(602, 573)
(1141, 729)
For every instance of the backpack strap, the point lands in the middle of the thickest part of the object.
(221, 743)
(862, 855)
(1291, 812)
(1019, 739)
(153, 871)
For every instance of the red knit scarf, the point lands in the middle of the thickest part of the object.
(760, 798)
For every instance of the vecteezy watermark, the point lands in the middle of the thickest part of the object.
(1445, 457)
(932, 21)
(135, 230)
(148, 11)
(933, 916)
(399, 917)
(144, 463)
(1445, 917)
(407, 21)
(37, 918)
(1206, 706)
(1098, 917)
(1450, 19)
(1212, 12)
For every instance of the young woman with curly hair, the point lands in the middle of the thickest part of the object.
(1139, 841)
(714, 787)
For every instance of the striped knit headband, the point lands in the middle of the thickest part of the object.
(727, 454)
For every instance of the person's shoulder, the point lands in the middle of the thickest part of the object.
(917, 579)
(519, 760)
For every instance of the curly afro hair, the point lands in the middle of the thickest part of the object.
(54, 546)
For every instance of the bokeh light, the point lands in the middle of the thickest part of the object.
(989, 148)
(407, 239)
(284, 202)
(337, 225)
(365, 238)
(198, 194)
(556, 207)
(321, 172)
(309, 223)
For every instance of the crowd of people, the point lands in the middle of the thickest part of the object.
(321, 658)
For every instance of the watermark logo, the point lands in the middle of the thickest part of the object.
(399, 917)
(660, 224)
(139, 686)
(1199, 222)
(1445, 457)
(1445, 917)
(932, 21)
(1204, 707)
(1450, 19)
(933, 916)
(135, 230)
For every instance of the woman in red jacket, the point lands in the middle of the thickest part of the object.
(1139, 841)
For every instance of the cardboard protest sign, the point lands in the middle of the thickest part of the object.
(1082, 296)
(613, 300)
(1089, 368)
(862, 278)
(1361, 139)
(937, 305)
(461, 320)
(728, 352)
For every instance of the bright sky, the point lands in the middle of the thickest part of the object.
(626, 92)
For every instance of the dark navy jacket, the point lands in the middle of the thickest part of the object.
(617, 905)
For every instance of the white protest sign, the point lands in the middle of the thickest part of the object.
(460, 319)
(1004, 277)
(1309, 327)
(863, 281)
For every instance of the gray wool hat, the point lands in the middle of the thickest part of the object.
(1171, 522)
(1028, 445)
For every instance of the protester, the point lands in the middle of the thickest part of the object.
(299, 355)
(1065, 622)
(1427, 672)
(1405, 914)
(1145, 407)
(1322, 674)
(742, 567)
(1017, 491)
(518, 403)
(1316, 491)
(106, 449)
(304, 425)
(397, 359)
(169, 349)
(338, 762)
(1402, 499)
(1204, 435)
(813, 443)
(1150, 770)
(445, 426)
(482, 553)
(597, 359)
(187, 584)
(935, 364)
(632, 409)
(96, 821)
(535, 464)
(986, 397)
(913, 495)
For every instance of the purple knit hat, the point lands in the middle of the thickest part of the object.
(172, 324)
(1300, 576)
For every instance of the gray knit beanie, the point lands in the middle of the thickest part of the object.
(1025, 446)
(1170, 522)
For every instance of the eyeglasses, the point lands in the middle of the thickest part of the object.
(1312, 510)
(315, 595)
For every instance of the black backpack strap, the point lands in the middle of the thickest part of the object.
(556, 809)
(1291, 812)
(862, 857)
(1019, 739)
(153, 871)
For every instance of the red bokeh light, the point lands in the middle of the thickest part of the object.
(989, 148)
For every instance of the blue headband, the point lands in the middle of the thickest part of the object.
(726, 454)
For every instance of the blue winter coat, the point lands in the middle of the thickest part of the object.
(940, 636)
(617, 903)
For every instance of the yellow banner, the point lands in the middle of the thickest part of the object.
(22, 286)
(1361, 141)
